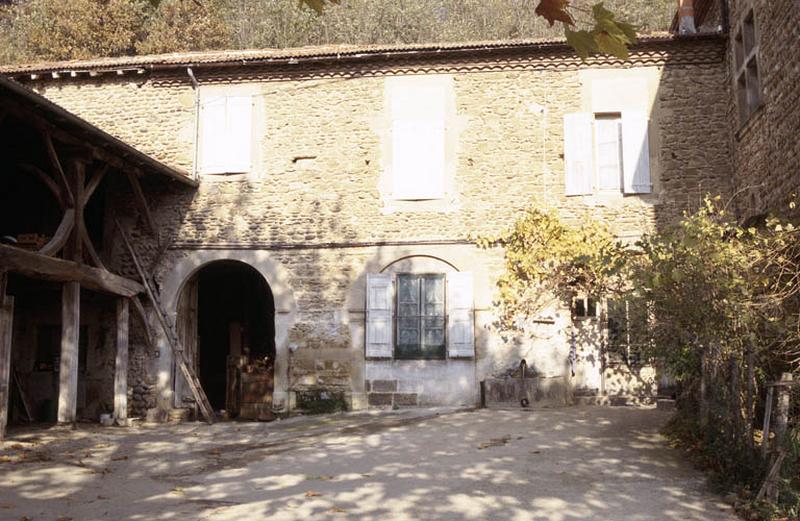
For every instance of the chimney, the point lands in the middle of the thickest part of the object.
(686, 17)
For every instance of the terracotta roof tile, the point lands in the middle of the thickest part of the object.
(299, 53)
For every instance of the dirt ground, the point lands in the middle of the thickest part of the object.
(600, 463)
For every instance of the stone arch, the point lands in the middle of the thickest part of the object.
(277, 278)
(419, 263)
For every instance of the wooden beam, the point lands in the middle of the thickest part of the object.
(142, 203)
(38, 266)
(148, 334)
(46, 180)
(94, 182)
(121, 364)
(53, 155)
(62, 234)
(87, 243)
(68, 368)
(6, 328)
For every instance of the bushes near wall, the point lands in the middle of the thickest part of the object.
(722, 319)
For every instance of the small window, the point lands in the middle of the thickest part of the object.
(608, 152)
(225, 135)
(584, 307)
(420, 317)
(748, 83)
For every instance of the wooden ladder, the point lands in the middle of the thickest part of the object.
(171, 334)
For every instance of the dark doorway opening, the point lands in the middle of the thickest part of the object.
(235, 335)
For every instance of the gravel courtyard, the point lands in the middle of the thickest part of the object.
(564, 464)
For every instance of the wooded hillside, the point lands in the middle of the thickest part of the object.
(32, 30)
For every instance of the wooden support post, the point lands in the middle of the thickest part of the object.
(68, 370)
(6, 324)
(735, 400)
(782, 408)
(121, 367)
(703, 389)
(767, 419)
(750, 397)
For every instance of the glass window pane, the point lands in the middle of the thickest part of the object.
(749, 33)
(408, 331)
(408, 288)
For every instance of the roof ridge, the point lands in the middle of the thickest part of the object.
(189, 58)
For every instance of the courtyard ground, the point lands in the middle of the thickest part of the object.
(600, 463)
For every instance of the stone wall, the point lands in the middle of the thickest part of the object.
(766, 147)
(313, 205)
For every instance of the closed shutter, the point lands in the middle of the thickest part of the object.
(460, 316)
(239, 133)
(213, 141)
(635, 153)
(379, 316)
(578, 167)
(418, 139)
(418, 159)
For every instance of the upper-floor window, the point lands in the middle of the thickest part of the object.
(745, 50)
(226, 134)
(607, 152)
(417, 107)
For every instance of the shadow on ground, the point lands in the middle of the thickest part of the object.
(550, 465)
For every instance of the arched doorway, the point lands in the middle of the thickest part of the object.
(226, 319)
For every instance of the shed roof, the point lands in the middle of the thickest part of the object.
(24, 99)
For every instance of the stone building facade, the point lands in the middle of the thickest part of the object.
(763, 53)
(317, 212)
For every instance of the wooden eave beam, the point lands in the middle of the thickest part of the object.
(56, 162)
(141, 200)
(88, 142)
(38, 266)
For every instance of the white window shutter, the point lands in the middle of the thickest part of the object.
(418, 159)
(635, 152)
(213, 136)
(578, 150)
(239, 122)
(417, 108)
(379, 316)
(460, 316)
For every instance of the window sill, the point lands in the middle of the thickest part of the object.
(442, 205)
(223, 178)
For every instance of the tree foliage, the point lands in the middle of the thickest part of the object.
(43, 29)
(545, 256)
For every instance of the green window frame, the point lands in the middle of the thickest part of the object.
(421, 323)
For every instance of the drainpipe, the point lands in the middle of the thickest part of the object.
(686, 17)
(196, 88)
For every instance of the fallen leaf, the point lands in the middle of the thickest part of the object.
(311, 493)
(337, 509)
(119, 458)
(494, 442)
(64, 518)
(101, 497)
(321, 478)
